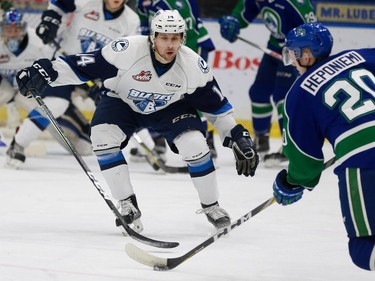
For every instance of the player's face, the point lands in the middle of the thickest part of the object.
(12, 31)
(304, 62)
(167, 45)
(114, 5)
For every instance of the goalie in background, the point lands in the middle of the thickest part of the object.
(18, 46)
(338, 106)
(273, 79)
(137, 73)
(95, 23)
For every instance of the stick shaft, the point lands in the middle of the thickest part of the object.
(263, 49)
(97, 185)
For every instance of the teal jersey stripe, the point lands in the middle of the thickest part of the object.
(356, 202)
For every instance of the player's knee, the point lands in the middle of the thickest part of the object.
(56, 105)
(106, 138)
(192, 146)
(7, 91)
(362, 252)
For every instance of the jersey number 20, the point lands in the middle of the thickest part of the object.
(354, 105)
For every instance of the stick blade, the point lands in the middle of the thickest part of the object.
(143, 257)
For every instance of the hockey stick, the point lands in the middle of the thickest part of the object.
(155, 161)
(164, 264)
(82, 163)
(263, 49)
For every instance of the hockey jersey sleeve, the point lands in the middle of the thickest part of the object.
(302, 139)
(209, 100)
(142, 11)
(62, 6)
(199, 34)
(245, 11)
(215, 107)
(80, 68)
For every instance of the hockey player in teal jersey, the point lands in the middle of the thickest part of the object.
(273, 79)
(333, 99)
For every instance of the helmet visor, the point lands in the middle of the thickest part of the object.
(290, 55)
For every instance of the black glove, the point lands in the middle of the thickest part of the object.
(93, 91)
(244, 150)
(47, 29)
(34, 79)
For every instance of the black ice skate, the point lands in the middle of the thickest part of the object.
(211, 145)
(15, 155)
(130, 212)
(275, 160)
(215, 215)
(262, 143)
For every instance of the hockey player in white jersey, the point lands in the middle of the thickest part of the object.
(152, 81)
(94, 24)
(19, 46)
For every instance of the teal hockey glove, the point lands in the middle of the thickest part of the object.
(229, 28)
(284, 192)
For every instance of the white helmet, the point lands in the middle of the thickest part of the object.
(167, 21)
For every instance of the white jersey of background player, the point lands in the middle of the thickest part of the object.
(19, 46)
(155, 82)
(94, 23)
(88, 30)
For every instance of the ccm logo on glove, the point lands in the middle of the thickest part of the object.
(42, 72)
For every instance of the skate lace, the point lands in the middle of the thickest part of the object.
(215, 212)
(126, 207)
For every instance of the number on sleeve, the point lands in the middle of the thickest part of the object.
(85, 59)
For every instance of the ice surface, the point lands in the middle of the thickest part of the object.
(55, 226)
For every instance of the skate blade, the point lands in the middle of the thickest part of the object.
(137, 226)
(11, 163)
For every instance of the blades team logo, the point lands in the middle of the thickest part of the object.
(143, 76)
(149, 102)
(120, 45)
(203, 65)
(92, 40)
(93, 15)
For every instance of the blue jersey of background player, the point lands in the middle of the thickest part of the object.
(273, 79)
(334, 99)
